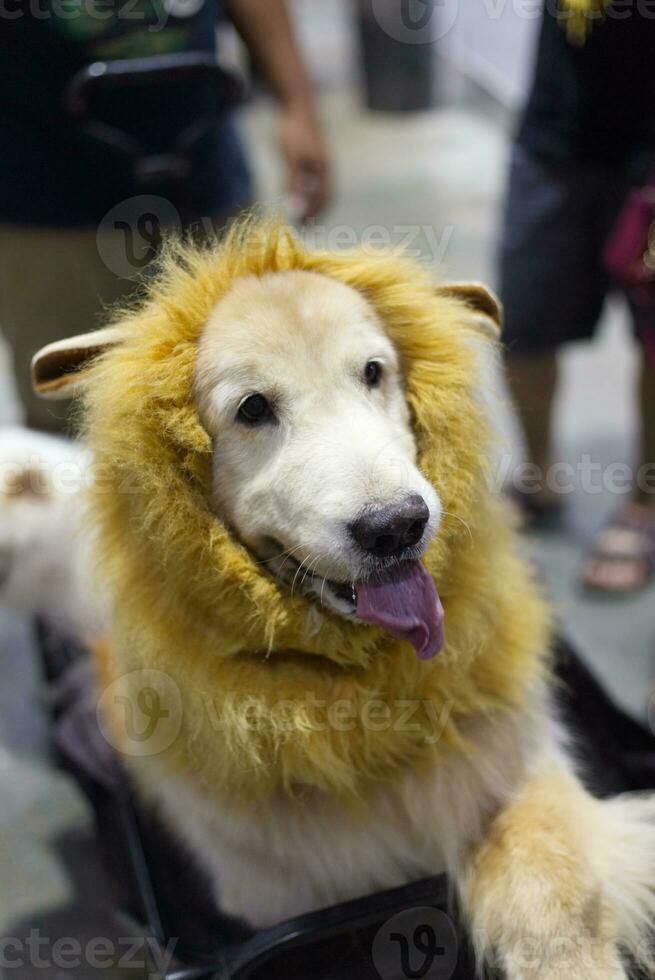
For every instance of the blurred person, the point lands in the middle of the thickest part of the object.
(586, 136)
(57, 183)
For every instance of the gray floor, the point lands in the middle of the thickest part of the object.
(440, 175)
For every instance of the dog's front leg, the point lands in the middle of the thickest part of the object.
(534, 903)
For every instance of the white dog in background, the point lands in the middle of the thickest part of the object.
(44, 560)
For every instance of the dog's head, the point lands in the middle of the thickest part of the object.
(301, 386)
(314, 458)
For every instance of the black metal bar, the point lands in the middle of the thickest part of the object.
(239, 963)
(146, 894)
(155, 70)
(193, 973)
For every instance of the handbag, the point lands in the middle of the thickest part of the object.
(629, 255)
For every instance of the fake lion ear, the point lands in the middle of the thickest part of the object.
(487, 313)
(59, 369)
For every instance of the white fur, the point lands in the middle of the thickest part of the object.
(44, 552)
(622, 852)
(308, 852)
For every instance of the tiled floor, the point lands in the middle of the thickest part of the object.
(437, 176)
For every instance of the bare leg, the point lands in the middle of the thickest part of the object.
(533, 382)
(53, 284)
(645, 490)
(623, 556)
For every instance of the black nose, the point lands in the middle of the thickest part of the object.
(387, 531)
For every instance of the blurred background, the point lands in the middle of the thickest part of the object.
(419, 137)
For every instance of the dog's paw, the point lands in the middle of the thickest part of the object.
(623, 857)
(562, 962)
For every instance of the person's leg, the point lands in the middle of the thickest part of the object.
(53, 284)
(623, 554)
(552, 293)
(533, 384)
(57, 283)
(645, 488)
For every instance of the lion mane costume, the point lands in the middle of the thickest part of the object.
(254, 667)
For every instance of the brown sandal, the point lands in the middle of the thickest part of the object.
(626, 541)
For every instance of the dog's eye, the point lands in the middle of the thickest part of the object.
(373, 374)
(254, 410)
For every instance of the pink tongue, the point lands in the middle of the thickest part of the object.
(405, 602)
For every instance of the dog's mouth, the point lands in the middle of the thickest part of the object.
(401, 598)
(404, 601)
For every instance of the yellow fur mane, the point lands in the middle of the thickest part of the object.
(257, 668)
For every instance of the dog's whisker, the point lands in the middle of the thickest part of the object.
(290, 555)
(299, 569)
(455, 517)
(307, 572)
(311, 569)
(283, 554)
(267, 561)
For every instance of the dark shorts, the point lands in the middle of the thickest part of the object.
(556, 223)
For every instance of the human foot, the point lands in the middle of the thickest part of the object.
(622, 556)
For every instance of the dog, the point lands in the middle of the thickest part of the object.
(309, 575)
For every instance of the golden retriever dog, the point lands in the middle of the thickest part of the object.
(312, 582)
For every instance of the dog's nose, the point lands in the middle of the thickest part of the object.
(387, 531)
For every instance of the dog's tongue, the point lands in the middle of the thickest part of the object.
(406, 603)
